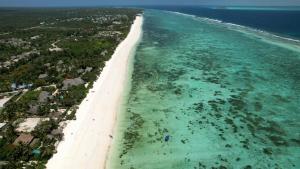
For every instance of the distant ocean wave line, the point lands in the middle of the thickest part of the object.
(258, 8)
(239, 26)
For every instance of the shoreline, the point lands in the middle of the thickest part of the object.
(87, 139)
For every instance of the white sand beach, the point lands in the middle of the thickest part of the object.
(87, 139)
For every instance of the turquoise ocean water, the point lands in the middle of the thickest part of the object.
(205, 94)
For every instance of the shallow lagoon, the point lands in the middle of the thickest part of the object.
(223, 98)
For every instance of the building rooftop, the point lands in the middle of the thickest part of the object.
(24, 139)
(72, 82)
(29, 124)
(2, 125)
(44, 96)
(3, 101)
(42, 76)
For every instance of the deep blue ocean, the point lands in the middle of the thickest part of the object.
(281, 21)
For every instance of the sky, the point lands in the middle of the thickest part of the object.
(35, 3)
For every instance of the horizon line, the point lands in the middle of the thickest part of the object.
(144, 5)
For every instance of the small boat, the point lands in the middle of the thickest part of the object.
(167, 138)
